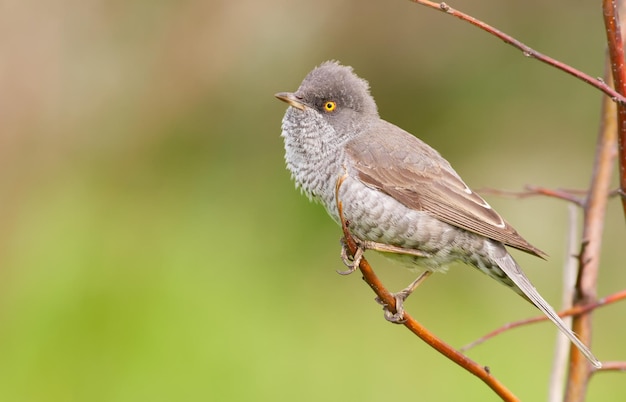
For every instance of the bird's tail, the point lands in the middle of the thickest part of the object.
(506, 262)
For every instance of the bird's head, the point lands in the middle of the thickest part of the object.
(333, 95)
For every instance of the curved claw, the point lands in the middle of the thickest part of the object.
(349, 261)
(345, 257)
(398, 316)
(347, 271)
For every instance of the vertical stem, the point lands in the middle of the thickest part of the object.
(615, 41)
(612, 130)
(559, 366)
(589, 258)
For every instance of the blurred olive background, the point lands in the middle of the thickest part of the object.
(153, 247)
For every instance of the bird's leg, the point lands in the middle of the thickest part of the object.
(387, 248)
(401, 296)
(352, 262)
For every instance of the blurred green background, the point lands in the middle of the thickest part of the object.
(153, 247)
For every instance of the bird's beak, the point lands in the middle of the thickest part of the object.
(291, 99)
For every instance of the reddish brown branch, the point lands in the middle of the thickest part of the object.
(528, 51)
(577, 310)
(618, 70)
(533, 191)
(387, 298)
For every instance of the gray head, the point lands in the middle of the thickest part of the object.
(331, 107)
(332, 95)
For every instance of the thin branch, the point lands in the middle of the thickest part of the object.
(576, 310)
(561, 347)
(386, 297)
(615, 42)
(533, 191)
(571, 195)
(526, 50)
(612, 366)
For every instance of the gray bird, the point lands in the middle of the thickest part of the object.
(399, 195)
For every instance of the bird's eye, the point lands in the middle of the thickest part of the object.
(330, 106)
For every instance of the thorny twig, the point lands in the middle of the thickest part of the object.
(577, 310)
(527, 50)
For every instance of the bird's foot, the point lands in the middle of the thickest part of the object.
(352, 262)
(400, 297)
(398, 316)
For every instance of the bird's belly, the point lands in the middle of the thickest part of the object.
(374, 216)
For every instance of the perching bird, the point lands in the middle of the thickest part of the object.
(400, 196)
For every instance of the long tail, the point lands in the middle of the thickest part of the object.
(513, 271)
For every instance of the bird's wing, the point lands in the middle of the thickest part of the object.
(395, 162)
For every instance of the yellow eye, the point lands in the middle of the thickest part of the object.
(330, 106)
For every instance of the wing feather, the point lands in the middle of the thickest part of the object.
(407, 169)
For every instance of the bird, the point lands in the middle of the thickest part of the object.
(399, 195)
